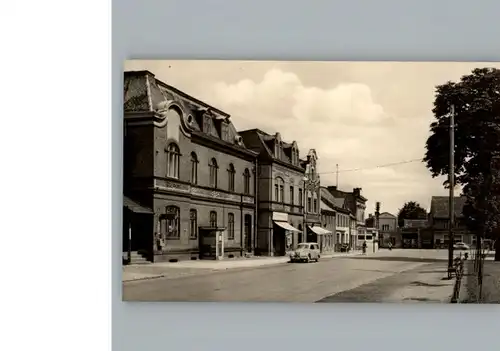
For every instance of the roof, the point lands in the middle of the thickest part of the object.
(440, 206)
(387, 214)
(325, 207)
(263, 143)
(336, 202)
(142, 92)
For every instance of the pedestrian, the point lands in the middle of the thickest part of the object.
(364, 247)
(390, 246)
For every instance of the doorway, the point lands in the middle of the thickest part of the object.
(248, 232)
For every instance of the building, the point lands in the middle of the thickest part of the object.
(388, 230)
(185, 161)
(342, 232)
(314, 231)
(328, 218)
(357, 205)
(371, 238)
(414, 235)
(439, 221)
(281, 193)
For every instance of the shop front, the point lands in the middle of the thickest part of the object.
(211, 243)
(284, 234)
(322, 236)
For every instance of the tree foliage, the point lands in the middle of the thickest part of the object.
(476, 98)
(411, 210)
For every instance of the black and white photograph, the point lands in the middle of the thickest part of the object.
(311, 182)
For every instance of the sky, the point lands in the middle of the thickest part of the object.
(357, 115)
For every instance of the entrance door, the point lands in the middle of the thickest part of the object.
(248, 232)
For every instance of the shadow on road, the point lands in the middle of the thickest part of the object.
(426, 284)
(397, 259)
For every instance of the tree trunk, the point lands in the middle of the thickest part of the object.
(497, 250)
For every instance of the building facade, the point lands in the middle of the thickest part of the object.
(343, 223)
(328, 219)
(315, 233)
(439, 221)
(357, 205)
(388, 230)
(185, 161)
(281, 193)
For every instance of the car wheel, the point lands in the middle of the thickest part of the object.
(309, 258)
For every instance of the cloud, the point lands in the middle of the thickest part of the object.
(343, 122)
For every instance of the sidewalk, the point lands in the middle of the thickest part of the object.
(188, 267)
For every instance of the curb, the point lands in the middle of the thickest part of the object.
(145, 278)
(214, 271)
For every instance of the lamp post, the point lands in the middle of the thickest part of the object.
(452, 186)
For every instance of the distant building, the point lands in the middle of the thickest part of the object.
(388, 230)
(357, 205)
(281, 193)
(328, 219)
(187, 165)
(439, 220)
(342, 232)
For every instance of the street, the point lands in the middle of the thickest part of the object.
(387, 276)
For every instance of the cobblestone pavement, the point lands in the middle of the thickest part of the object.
(293, 282)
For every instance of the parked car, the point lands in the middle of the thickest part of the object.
(306, 252)
(461, 246)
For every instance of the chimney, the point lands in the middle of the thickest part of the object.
(370, 215)
(356, 191)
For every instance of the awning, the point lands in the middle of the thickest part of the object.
(320, 231)
(287, 226)
(134, 206)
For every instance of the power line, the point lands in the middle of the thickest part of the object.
(374, 167)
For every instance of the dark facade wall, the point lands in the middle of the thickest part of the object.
(185, 243)
(173, 134)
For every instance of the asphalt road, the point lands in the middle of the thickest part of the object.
(363, 278)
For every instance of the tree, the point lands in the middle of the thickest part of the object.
(411, 210)
(476, 98)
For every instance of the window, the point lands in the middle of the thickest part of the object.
(301, 200)
(213, 219)
(172, 219)
(291, 195)
(368, 237)
(230, 226)
(309, 204)
(279, 190)
(230, 174)
(385, 227)
(213, 172)
(193, 226)
(246, 178)
(361, 237)
(315, 207)
(173, 161)
(194, 168)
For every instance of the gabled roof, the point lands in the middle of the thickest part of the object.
(336, 202)
(325, 207)
(262, 142)
(440, 206)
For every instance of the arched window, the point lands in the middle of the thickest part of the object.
(315, 203)
(173, 156)
(230, 177)
(194, 168)
(246, 181)
(172, 222)
(213, 219)
(213, 172)
(230, 226)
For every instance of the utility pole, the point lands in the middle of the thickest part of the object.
(337, 176)
(451, 178)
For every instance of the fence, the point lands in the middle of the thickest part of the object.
(479, 256)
